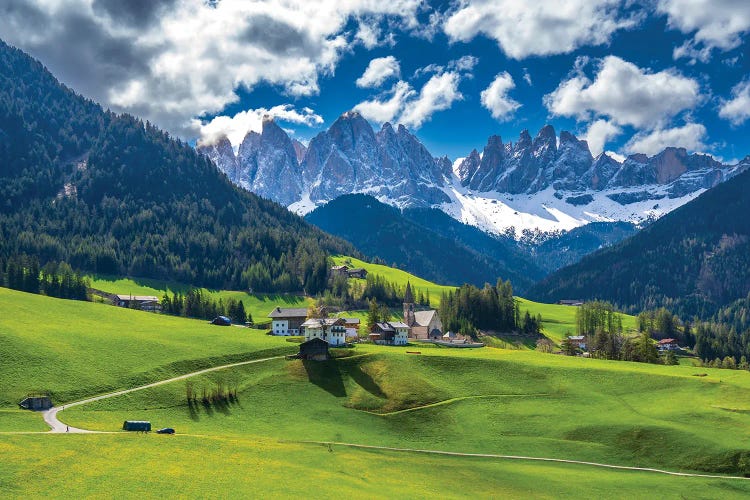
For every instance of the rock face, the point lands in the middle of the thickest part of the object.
(532, 165)
(350, 157)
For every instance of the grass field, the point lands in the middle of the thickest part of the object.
(259, 305)
(486, 401)
(75, 349)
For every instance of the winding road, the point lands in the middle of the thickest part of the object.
(50, 416)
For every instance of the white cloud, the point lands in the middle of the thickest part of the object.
(463, 64)
(599, 133)
(170, 61)
(495, 97)
(616, 156)
(689, 136)
(625, 94)
(737, 109)
(714, 24)
(378, 71)
(527, 77)
(542, 27)
(385, 110)
(438, 94)
(236, 127)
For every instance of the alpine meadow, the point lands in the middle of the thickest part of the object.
(412, 249)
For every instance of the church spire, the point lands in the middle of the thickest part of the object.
(408, 297)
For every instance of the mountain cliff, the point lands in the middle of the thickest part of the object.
(540, 184)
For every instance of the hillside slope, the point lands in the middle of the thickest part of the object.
(692, 260)
(111, 194)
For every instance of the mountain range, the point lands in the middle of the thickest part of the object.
(542, 184)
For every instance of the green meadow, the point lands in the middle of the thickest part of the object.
(258, 305)
(488, 400)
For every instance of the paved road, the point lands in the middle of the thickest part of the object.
(519, 457)
(50, 416)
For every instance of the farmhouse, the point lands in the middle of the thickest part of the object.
(352, 327)
(287, 321)
(340, 271)
(142, 302)
(668, 345)
(357, 272)
(422, 324)
(332, 330)
(578, 341)
(386, 333)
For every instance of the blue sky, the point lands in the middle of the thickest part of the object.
(628, 76)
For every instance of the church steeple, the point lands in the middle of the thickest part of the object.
(409, 306)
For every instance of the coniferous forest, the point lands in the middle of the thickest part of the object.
(109, 193)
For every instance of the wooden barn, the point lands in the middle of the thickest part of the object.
(36, 403)
(315, 349)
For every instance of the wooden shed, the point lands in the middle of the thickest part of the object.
(315, 349)
(136, 425)
(36, 403)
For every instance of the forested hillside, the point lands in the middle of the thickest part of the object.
(109, 193)
(444, 255)
(692, 261)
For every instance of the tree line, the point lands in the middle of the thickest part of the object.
(196, 303)
(469, 309)
(53, 279)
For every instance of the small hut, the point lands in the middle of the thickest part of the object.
(221, 321)
(314, 349)
(136, 425)
(36, 402)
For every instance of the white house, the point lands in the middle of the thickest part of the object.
(332, 330)
(287, 321)
(402, 333)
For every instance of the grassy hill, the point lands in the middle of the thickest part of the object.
(259, 305)
(557, 320)
(481, 401)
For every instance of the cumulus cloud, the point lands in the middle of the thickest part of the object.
(689, 136)
(387, 108)
(495, 97)
(543, 27)
(599, 133)
(438, 94)
(464, 65)
(403, 104)
(737, 109)
(378, 71)
(714, 24)
(236, 127)
(190, 63)
(625, 94)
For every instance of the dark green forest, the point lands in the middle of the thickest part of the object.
(112, 194)
(693, 261)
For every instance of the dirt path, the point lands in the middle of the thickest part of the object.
(519, 457)
(50, 416)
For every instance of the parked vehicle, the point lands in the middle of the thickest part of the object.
(166, 430)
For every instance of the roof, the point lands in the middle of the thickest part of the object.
(386, 327)
(667, 341)
(339, 268)
(357, 270)
(399, 324)
(313, 341)
(318, 322)
(288, 312)
(423, 318)
(139, 298)
(576, 337)
(352, 321)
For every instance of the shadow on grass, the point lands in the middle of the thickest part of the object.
(366, 382)
(209, 408)
(326, 375)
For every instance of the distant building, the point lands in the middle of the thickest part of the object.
(136, 425)
(315, 349)
(357, 272)
(352, 327)
(287, 321)
(332, 330)
(571, 302)
(142, 302)
(387, 333)
(422, 324)
(36, 403)
(340, 271)
(578, 341)
(668, 345)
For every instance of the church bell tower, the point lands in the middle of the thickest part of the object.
(409, 306)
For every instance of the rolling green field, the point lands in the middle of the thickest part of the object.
(460, 400)
(557, 320)
(259, 305)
